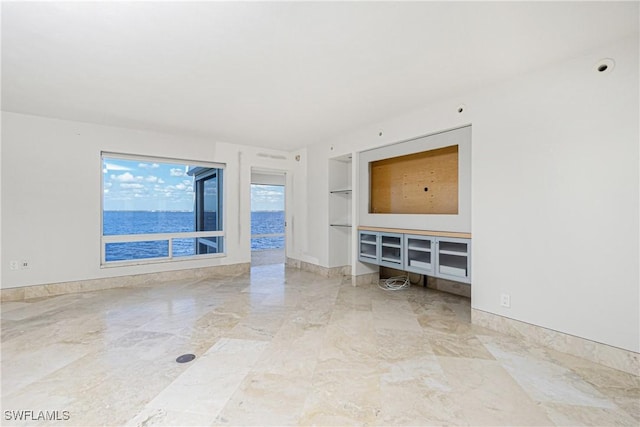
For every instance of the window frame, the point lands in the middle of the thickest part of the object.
(126, 238)
(199, 203)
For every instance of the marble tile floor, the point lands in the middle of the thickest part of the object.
(286, 347)
(267, 257)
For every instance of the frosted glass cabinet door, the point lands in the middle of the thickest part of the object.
(368, 247)
(453, 259)
(419, 254)
(391, 253)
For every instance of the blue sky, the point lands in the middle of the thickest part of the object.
(135, 185)
(267, 197)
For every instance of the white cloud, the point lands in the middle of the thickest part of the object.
(106, 190)
(107, 185)
(151, 178)
(176, 172)
(262, 192)
(148, 166)
(183, 186)
(125, 177)
(267, 197)
(127, 185)
(114, 167)
(160, 181)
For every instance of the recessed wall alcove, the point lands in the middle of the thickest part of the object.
(421, 184)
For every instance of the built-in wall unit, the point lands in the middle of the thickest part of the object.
(429, 253)
(415, 206)
(340, 211)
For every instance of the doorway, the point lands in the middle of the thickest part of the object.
(267, 217)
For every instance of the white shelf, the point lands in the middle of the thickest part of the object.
(453, 247)
(418, 249)
(392, 245)
(454, 253)
(420, 264)
(395, 260)
(340, 211)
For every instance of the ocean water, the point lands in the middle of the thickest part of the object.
(141, 222)
(267, 222)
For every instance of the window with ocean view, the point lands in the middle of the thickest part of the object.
(159, 209)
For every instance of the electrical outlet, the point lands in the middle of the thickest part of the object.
(505, 300)
(24, 264)
(14, 265)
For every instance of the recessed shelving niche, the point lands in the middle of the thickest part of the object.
(340, 207)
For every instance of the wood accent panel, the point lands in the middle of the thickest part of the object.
(419, 183)
(418, 232)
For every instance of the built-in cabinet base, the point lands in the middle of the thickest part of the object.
(437, 255)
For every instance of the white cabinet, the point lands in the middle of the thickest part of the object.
(444, 257)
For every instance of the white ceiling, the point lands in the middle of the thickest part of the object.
(278, 74)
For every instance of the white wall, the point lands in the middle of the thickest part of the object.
(1, 238)
(555, 199)
(554, 192)
(51, 193)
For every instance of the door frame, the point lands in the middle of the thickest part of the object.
(280, 178)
